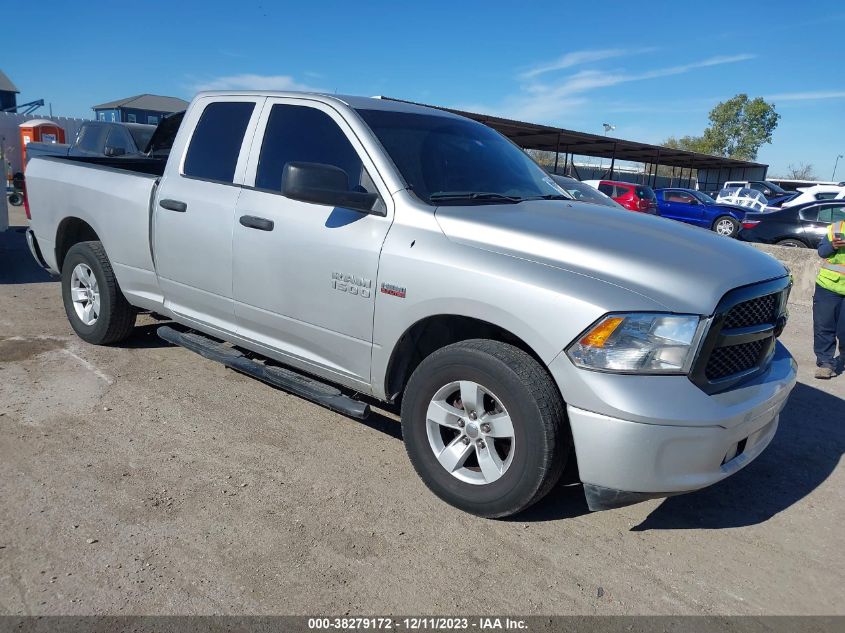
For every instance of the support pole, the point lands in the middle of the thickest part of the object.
(557, 151)
(656, 167)
(612, 161)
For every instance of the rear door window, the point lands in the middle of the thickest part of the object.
(607, 190)
(216, 143)
(622, 190)
(810, 214)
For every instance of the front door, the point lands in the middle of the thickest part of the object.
(305, 274)
(194, 211)
(681, 205)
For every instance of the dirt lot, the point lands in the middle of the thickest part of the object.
(144, 479)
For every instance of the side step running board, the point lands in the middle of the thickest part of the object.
(285, 379)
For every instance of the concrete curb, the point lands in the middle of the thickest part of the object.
(803, 263)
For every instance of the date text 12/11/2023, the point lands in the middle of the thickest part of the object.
(417, 623)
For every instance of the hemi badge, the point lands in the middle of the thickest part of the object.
(390, 289)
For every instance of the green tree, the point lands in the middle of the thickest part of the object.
(687, 143)
(738, 127)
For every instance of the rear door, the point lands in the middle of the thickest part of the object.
(195, 206)
(305, 274)
(624, 195)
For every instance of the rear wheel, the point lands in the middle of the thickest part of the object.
(95, 306)
(726, 225)
(484, 426)
(792, 244)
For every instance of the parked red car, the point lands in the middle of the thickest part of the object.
(632, 196)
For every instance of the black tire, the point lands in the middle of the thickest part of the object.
(15, 199)
(726, 218)
(792, 243)
(116, 317)
(531, 398)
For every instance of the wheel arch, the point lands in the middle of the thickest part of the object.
(434, 332)
(72, 230)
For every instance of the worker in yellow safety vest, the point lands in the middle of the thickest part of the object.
(829, 301)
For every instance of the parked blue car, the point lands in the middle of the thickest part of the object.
(696, 207)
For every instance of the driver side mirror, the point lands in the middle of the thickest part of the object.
(324, 184)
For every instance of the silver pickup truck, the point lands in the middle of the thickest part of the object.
(348, 249)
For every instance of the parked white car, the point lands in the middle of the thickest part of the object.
(743, 197)
(816, 192)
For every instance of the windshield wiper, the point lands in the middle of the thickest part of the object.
(484, 196)
(551, 196)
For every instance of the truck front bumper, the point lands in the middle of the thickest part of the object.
(640, 437)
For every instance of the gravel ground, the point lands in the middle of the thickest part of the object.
(144, 479)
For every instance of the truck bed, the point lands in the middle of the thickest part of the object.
(112, 196)
(137, 164)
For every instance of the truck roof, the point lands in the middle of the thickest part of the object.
(358, 103)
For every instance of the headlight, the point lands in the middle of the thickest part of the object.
(639, 343)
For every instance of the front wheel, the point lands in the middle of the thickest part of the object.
(484, 426)
(726, 225)
(95, 306)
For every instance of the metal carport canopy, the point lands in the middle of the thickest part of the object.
(553, 139)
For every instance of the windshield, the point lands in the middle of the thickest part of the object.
(703, 197)
(448, 160)
(585, 193)
(775, 189)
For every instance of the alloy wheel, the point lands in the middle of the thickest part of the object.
(85, 294)
(725, 227)
(470, 432)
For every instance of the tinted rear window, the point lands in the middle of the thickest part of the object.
(92, 138)
(216, 143)
(646, 193)
(141, 136)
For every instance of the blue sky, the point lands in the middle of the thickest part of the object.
(651, 70)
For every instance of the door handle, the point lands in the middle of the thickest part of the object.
(252, 222)
(173, 205)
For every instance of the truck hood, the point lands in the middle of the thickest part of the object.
(683, 268)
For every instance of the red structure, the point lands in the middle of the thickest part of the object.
(42, 131)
